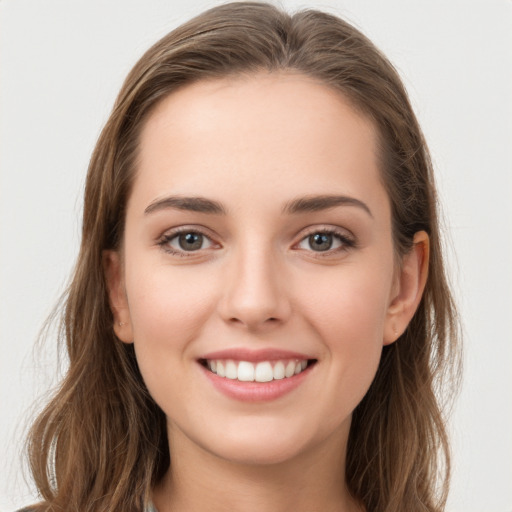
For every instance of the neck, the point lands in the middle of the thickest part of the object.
(199, 480)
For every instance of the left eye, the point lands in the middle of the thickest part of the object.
(322, 241)
(189, 241)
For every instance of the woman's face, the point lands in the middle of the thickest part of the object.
(257, 243)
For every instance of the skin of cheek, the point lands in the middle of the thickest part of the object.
(340, 313)
(349, 315)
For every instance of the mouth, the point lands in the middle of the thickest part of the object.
(262, 375)
(261, 371)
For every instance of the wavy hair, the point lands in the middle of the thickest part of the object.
(101, 443)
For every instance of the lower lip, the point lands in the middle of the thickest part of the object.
(256, 391)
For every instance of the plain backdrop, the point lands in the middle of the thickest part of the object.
(61, 65)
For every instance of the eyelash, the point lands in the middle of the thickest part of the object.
(165, 240)
(347, 242)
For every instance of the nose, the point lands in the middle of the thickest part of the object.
(255, 295)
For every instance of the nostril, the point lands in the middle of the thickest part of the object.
(240, 321)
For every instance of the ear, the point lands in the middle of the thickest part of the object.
(114, 277)
(408, 288)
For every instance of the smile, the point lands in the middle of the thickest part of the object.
(262, 371)
(256, 375)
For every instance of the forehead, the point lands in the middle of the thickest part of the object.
(267, 131)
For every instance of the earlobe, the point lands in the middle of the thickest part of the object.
(407, 293)
(113, 271)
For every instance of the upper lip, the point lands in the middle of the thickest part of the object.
(245, 354)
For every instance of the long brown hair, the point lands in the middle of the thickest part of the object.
(101, 443)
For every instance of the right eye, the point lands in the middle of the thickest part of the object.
(186, 241)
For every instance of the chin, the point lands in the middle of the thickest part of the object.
(259, 453)
(265, 442)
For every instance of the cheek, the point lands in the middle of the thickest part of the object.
(349, 304)
(168, 309)
(165, 305)
(348, 314)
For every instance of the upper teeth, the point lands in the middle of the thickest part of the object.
(264, 371)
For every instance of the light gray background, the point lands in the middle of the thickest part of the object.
(62, 63)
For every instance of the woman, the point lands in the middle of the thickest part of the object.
(259, 314)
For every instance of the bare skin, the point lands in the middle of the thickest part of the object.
(273, 182)
(300, 484)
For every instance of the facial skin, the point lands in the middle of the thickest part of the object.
(254, 145)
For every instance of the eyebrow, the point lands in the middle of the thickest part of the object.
(299, 205)
(194, 204)
(323, 202)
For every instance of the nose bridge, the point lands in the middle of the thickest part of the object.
(254, 293)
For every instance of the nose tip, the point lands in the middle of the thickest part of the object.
(255, 295)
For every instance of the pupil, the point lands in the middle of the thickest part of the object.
(320, 241)
(191, 241)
